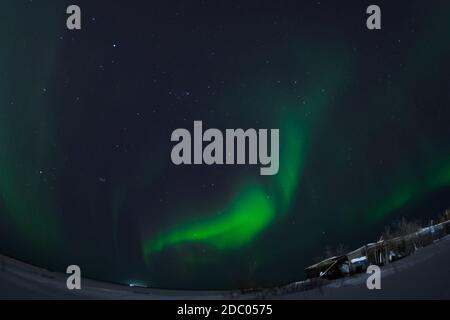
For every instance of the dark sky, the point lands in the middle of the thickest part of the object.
(86, 118)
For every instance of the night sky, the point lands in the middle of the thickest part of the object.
(86, 118)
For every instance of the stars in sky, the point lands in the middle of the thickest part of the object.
(114, 92)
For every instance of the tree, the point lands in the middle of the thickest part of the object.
(400, 228)
(445, 216)
(340, 250)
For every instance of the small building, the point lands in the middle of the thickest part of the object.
(356, 262)
(380, 253)
(331, 268)
(377, 253)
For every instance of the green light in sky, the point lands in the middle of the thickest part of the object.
(437, 178)
(27, 125)
(249, 213)
(252, 211)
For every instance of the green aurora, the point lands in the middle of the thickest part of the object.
(363, 125)
(253, 210)
(26, 196)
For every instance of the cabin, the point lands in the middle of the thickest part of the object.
(331, 268)
(380, 253)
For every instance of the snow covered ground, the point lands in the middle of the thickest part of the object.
(423, 275)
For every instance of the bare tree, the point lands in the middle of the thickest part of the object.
(405, 228)
(340, 250)
(329, 252)
(400, 228)
(387, 234)
(445, 216)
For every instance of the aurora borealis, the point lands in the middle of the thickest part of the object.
(254, 208)
(86, 118)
